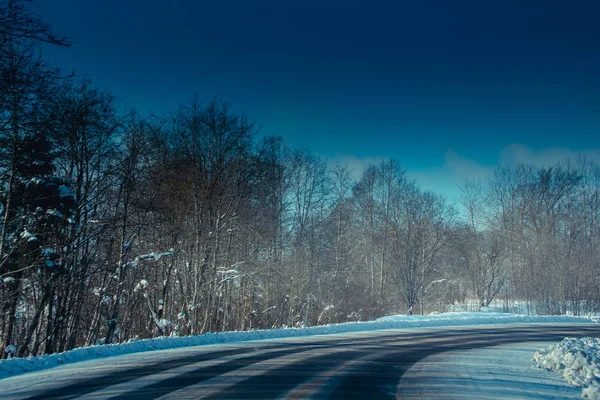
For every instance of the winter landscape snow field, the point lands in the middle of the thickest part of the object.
(18, 366)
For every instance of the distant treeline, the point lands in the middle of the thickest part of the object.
(116, 226)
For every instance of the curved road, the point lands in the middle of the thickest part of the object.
(366, 365)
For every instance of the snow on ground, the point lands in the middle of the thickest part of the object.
(496, 372)
(575, 359)
(18, 366)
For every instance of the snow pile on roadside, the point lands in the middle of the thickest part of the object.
(593, 317)
(476, 317)
(18, 366)
(575, 359)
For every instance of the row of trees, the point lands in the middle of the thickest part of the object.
(117, 226)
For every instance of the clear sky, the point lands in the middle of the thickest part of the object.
(448, 88)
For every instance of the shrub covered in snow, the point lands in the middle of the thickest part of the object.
(575, 359)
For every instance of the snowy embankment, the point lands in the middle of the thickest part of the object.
(577, 360)
(21, 365)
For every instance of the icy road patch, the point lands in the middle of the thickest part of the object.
(577, 360)
(18, 366)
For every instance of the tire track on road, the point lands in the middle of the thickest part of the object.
(88, 385)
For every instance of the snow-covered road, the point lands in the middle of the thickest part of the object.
(497, 372)
(349, 366)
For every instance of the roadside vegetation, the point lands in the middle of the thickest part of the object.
(118, 226)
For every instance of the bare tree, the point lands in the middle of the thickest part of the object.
(422, 230)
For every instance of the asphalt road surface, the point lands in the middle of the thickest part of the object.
(366, 365)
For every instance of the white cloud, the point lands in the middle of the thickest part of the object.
(465, 168)
(354, 163)
(446, 179)
(519, 153)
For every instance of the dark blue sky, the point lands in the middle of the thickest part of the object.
(448, 88)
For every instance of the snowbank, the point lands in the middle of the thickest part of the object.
(21, 365)
(575, 359)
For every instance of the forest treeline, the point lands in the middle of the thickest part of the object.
(117, 226)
